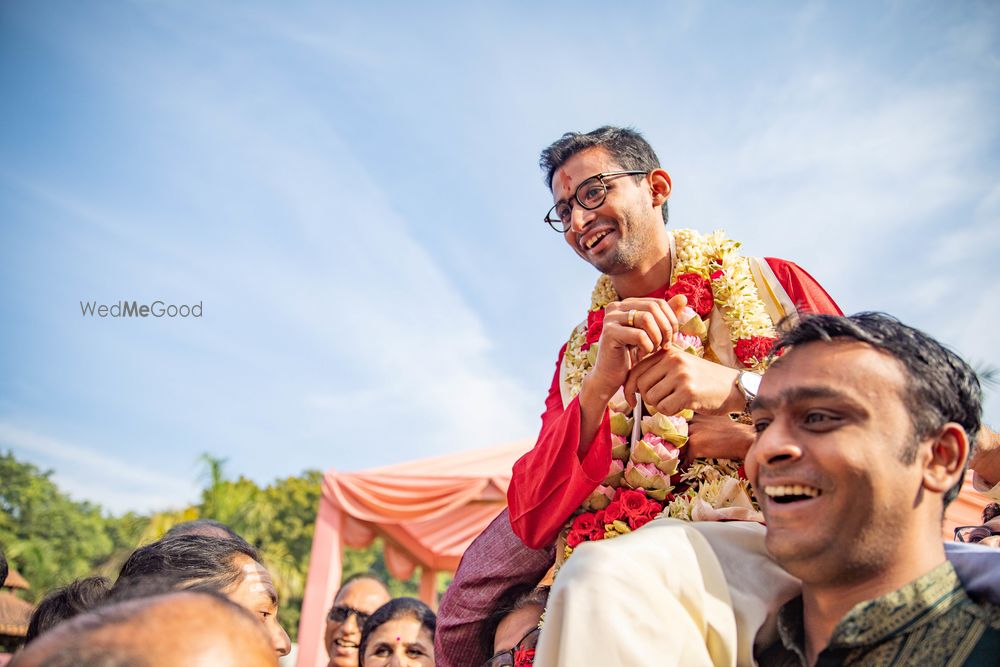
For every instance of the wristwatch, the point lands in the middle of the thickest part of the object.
(748, 383)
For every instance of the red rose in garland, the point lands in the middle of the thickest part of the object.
(614, 512)
(653, 508)
(584, 523)
(598, 532)
(595, 324)
(753, 349)
(633, 503)
(698, 291)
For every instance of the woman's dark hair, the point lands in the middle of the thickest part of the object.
(391, 610)
(65, 603)
(186, 562)
(516, 598)
(991, 512)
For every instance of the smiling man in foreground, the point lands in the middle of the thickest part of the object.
(864, 427)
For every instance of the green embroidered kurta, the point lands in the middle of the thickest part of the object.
(929, 622)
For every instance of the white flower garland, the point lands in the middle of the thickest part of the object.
(715, 258)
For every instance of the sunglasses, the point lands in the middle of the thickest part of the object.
(340, 612)
(522, 655)
(973, 534)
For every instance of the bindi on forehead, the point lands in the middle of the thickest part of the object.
(563, 179)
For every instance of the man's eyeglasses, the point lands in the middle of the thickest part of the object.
(589, 195)
(340, 612)
(522, 655)
(973, 534)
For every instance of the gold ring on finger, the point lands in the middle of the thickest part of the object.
(631, 318)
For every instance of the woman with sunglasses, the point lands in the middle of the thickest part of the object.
(516, 630)
(359, 596)
(399, 634)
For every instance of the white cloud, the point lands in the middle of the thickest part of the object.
(88, 473)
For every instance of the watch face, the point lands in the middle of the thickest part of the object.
(750, 383)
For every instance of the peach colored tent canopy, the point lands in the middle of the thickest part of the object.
(427, 513)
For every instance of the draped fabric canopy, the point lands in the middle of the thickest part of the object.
(427, 512)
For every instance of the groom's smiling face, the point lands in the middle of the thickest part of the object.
(616, 237)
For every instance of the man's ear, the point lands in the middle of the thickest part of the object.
(949, 450)
(660, 184)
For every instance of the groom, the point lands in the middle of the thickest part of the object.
(610, 206)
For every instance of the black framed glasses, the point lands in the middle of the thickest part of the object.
(521, 655)
(339, 613)
(589, 195)
(973, 534)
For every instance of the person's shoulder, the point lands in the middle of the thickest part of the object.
(978, 568)
(784, 267)
(803, 292)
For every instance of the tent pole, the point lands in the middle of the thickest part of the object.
(428, 586)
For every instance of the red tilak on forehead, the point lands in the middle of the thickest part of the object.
(564, 179)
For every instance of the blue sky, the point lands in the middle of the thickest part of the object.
(351, 191)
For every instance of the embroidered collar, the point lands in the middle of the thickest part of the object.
(918, 603)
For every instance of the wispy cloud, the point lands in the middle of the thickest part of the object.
(87, 473)
(329, 326)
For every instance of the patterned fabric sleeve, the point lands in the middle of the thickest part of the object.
(495, 562)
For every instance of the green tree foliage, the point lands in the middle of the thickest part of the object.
(279, 519)
(47, 536)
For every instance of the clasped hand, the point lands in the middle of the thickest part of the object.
(641, 358)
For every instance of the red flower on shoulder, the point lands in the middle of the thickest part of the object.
(698, 291)
(524, 657)
(637, 522)
(755, 348)
(595, 325)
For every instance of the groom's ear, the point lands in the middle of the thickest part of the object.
(660, 186)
